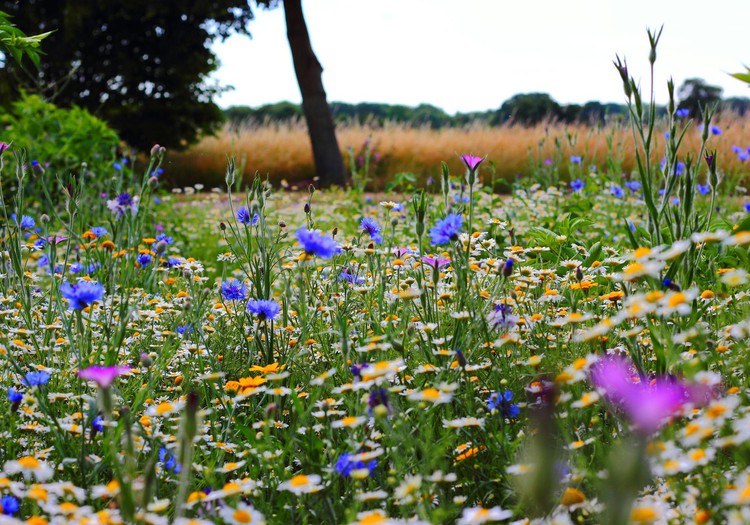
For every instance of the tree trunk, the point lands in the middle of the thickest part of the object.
(328, 162)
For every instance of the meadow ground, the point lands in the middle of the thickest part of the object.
(558, 355)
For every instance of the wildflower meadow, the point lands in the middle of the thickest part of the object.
(572, 352)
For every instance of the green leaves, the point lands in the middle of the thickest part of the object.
(744, 77)
(14, 42)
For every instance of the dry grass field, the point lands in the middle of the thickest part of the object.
(282, 150)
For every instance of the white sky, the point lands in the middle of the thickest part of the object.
(471, 55)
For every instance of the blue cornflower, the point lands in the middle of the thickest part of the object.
(501, 317)
(14, 396)
(170, 463)
(98, 423)
(164, 237)
(263, 308)
(10, 505)
(350, 277)
(345, 465)
(736, 149)
(577, 185)
(377, 397)
(99, 231)
(371, 228)
(36, 378)
(616, 190)
(446, 230)
(185, 328)
(233, 290)
(575, 159)
(674, 200)
(243, 216)
(173, 262)
(680, 168)
(144, 259)
(743, 157)
(117, 166)
(76, 267)
(747, 207)
(502, 403)
(82, 294)
(682, 113)
(704, 189)
(633, 185)
(27, 222)
(715, 130)
(316, 243)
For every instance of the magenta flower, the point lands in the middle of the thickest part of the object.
(435, 262)
(472, 161)
(648, 404)
(102, 375)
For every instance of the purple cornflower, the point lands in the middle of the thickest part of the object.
(264, 308)
(233, 290)
(371, 228)
(577, 185)
(446, 230)
(501, 317)
(102, 375)
(435, 262)
(378, 397)
(81, 294)
(123, 203)
(316, 243)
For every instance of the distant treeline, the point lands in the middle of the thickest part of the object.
(525, 109)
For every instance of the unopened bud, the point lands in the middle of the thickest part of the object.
(146, 360)
(160, 247)
(222, 226)
(44, 219)
(152, 182)
(155, 150)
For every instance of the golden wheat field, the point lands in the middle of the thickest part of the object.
(281, 150)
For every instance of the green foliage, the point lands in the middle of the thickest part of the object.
(141, 66)
(58, 138)
(16, 43)
(528, 109)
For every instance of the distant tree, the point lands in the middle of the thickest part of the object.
(527, 109)
(739, 105)
(695, 95)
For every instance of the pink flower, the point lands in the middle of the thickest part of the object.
(435, 262)
(102, 375)
(648, 404)
(472, 162)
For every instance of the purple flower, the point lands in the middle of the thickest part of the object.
(81, 294)
(436, 263)
(647, 404)
(472, 161)
(371, 228)
(446, 230)
(233, 290)
(264, 308)
(316, 243)
(3, 147)
(123, 203)
(577, 185)
(102, 375)
(243, 216)
(501, 317)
